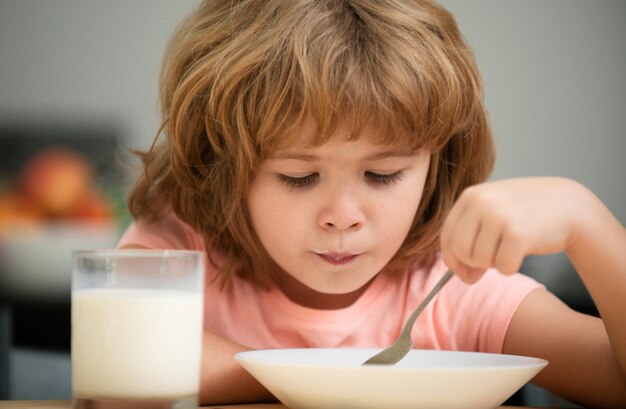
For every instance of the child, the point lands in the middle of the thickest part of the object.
(330, 158)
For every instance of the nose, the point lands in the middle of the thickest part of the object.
(341, 211)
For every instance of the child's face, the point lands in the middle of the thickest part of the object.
(333, 216)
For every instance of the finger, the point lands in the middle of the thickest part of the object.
(510, 253)
(486, 245)
(472, 274)
(466, 273)
(451, 221)
(464, 237)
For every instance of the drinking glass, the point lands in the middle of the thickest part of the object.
(136, 328)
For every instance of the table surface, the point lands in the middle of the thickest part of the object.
(65, 404)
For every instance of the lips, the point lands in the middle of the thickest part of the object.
(337, 258)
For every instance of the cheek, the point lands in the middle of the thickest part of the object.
(272, 217)
(399, 218)
(400, 210)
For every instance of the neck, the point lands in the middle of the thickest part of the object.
(309, 298)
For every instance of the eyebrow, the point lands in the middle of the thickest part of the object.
(375, 156)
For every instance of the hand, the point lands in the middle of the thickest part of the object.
(496, 224)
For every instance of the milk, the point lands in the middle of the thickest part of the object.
(136, 343)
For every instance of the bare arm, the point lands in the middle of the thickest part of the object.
(497, 224)
(572, 341)
(582, 367)
(598, 252)
(223, 380)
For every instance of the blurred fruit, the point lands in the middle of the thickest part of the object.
(18, 211)
(56, 178)
(93, 206)
(56, 184)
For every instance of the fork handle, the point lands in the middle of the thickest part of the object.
(442, 281)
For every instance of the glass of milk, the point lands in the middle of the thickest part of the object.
(136, 328)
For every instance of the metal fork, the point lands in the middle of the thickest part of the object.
(404, 343)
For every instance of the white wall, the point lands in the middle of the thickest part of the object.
(554, 71)
(555, 83)
(85, 60)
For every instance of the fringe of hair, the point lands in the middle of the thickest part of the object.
(239, 78)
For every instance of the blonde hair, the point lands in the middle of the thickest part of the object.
(239, 77)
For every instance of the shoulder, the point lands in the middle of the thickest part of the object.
(165, 232)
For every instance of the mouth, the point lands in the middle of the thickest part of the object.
(337, 258)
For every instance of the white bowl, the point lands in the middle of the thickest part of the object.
(334, 378)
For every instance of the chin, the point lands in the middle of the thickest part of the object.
(341, 286)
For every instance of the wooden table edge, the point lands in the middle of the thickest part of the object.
(66, 404)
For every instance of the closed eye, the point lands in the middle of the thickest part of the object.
(298, 182)
(384, 179)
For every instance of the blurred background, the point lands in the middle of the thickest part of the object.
(78, 90)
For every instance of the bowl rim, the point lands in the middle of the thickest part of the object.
(254, 356)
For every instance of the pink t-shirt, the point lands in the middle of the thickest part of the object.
(461, 317)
